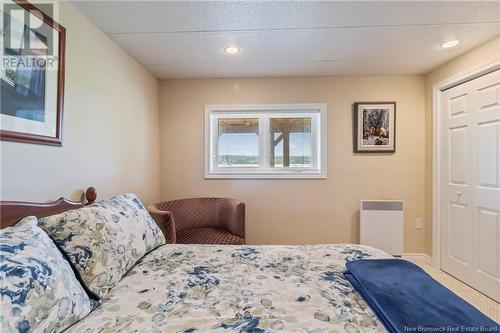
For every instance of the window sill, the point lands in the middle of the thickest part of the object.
(266, 175)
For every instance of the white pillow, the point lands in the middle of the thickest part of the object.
(104, 240)
(39, 290)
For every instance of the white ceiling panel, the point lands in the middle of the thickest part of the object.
(293, 38)
(139, 16)
(292, 69)
(252, 15)
(162, 16)
(380, 43)
(164, 48)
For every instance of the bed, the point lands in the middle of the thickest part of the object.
(204, 288)
(201, 288)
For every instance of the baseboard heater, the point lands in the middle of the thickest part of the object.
(381, 225)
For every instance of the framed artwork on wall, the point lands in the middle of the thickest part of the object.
(31, 74)
(375, 127)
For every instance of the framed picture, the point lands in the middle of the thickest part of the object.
(31, 73)
(375, 127)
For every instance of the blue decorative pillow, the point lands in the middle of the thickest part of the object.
(39, 290)
(104, 240)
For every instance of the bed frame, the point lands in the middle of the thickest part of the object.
(13, 211)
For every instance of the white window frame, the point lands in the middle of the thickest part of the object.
(263, 112)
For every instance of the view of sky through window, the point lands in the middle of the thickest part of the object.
(238, 142)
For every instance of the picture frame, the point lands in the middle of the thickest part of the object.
(374, 127)
(32, 74)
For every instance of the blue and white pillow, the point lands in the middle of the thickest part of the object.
(104, 240)
(39, 290)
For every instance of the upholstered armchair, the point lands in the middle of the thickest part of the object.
(201, 220)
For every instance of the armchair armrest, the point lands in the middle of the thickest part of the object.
(165, 221)
(232, 216)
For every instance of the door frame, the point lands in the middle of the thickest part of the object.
(437, 91)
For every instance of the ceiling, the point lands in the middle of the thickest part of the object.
(301, 38)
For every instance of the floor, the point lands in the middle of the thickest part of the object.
(487, 305)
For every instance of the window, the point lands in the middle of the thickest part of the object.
(265, 141)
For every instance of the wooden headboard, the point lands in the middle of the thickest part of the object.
(13, 211)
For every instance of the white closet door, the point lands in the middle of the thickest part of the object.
(470, 183)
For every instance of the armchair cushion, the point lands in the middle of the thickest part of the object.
(208, 235)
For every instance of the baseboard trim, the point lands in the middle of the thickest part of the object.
(418, 257)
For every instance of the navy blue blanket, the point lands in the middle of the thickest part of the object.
(406, 299)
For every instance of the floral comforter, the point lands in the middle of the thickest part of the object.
(204, 288)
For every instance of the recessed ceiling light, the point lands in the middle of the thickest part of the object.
(450, 43)
(231, 49)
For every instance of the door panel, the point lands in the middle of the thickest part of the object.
(458, 155)
(489, 96)
(470, 183)
(458, 105)
(488, 233)
(458, 226)
(488, 154)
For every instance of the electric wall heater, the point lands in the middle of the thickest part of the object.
(381, 225)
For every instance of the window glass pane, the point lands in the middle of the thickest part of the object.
(238, 144)
(291, 142)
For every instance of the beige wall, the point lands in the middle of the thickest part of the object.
(302, 211)
(111, 133)
(485, 54)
